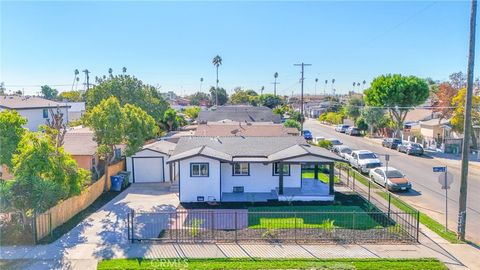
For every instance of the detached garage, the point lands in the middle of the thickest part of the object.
(149, 164)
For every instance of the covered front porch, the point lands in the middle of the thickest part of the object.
(310, 189)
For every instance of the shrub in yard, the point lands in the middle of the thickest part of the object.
(325, 144)
(195, 225)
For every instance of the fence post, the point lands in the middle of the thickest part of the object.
(353, 175)
(34, 227)
(295, 227)
(213, 225)
(133, 225)
(368, 191)
(128, 226)
(353, 227)
(236, 226)
(348, 176)
(389, 201)
(50, 223)
(176, 226)
(418, 225)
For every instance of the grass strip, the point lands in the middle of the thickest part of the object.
(321, 176)
(251, 263)
(432, 224)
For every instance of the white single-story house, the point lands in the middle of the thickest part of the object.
(35, 109)
(150, 163)
(238, 168)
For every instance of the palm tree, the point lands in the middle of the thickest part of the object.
(201, 82)
(325, 88)
(261, 90)
(76, 72)
(316, 81)
(275, 75)
(354, 83)
(217, 61)
(110, 71)
(364, 82)
(124, 70)
(333, 82)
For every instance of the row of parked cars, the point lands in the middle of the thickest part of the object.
(409, 148)
(368, 162)
(352, 131)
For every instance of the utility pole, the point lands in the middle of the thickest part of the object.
(462, 210)
(275, 84)
(301, 93)
(88, 78)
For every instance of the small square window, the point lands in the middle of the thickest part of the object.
(286, 169)
(241, 169)
(199, 169)
(200, 199)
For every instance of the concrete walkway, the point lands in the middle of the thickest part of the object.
(85, 256)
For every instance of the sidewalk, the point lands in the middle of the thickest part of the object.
(85, 256)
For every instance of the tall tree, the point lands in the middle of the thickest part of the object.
(197, 97)
(71, 96)
(239, 97)
(372, 117)
(270, 101)
(354, 107)
(458, 115)
(113, 125)
(443, 98)
(128, 89)
(48, 92)
(192, 112)
(458, 80)
(11, 132)
(56, 127)
(218, 96)
(398, 93)
(217, 61)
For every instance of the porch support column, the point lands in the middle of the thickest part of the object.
(280, 178)
(316, 171)
(331, 179)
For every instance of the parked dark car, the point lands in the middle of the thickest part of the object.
(353, 131)
(307, 135)
(391, 143)
(411, 148)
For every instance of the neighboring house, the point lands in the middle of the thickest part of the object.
(80, 143)
(239, 113)
(149, 164)
(238, 168)
(35, 109)
(76, 111)
(245, 129)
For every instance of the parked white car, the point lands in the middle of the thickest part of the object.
(390, 178)
(318, 139)
(364, 160)
(342, 150)
(341, 128)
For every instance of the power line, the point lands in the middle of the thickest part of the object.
(301, 96)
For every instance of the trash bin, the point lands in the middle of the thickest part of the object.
(116, 182)
(126, 178)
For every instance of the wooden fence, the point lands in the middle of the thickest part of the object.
(65, 210)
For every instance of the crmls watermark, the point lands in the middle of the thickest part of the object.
(176, 263)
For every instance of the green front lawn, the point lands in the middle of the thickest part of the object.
(250, 263)
(339, 216)
(321, 176)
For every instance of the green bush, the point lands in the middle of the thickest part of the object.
(325, 144)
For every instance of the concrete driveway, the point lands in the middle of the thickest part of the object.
(109, 224)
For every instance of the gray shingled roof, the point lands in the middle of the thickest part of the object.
(27, 102)
(161, 146)
(254, 149)
(239, 114)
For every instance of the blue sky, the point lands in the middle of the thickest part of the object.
(171, 44)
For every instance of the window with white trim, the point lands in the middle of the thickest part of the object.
(241, 169)
(199, 169)
(286, 169)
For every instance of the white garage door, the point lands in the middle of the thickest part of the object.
(148, 169)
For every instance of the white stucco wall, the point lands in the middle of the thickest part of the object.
(148, 153)
(191, 187)
(35, 117)
(261, 178)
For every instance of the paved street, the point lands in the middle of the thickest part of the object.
(426, 193)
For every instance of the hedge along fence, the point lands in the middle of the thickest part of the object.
(46, 222)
